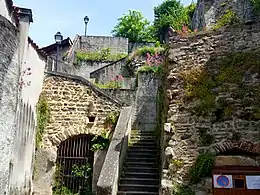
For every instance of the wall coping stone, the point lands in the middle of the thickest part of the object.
(110, 173)
(86, 82)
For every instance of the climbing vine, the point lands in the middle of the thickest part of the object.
(43, 114)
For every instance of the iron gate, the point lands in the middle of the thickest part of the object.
(74, 164)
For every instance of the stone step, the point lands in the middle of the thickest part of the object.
(143, 147)
(142, 132)
(141, 154)
(137, 140)
(127, 174)
(140, 181)
(140, 159)
(137, 164)
(138, 187)
(143, 137)
(141, 169)
(143, 143)
(137, 193)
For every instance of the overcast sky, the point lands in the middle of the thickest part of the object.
(51, 16)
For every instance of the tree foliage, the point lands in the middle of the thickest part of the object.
(134, 26)
(171, 13)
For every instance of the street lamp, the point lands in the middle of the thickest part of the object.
(86, 20)
(58, 39)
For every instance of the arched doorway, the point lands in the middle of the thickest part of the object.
(74, 165)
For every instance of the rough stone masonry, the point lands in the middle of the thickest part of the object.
(198, 57)
(71, 102)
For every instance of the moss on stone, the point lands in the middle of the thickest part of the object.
(233, 76)
(228, 18)
(42, 118)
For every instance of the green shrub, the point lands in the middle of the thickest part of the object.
(150, 50)
(183, 190)
(149, 69)
(256, 4)
(103, 55)
(202, 167)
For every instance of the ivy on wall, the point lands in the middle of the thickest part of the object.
(202, 167)
(43, 114)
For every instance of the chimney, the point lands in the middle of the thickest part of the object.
(25, 18)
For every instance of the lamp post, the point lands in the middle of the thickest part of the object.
(86, 20)
(58, 38)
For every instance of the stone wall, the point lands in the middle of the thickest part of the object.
(108, 73)
(71, 100)
(97, 43)
(127, 96)
(221, 127)
(9, 77)
(208, 12)
(85, 68)
(144, 113)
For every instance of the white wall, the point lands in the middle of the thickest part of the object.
(36, 64)
(32, 67)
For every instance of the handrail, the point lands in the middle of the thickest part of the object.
(112, 167)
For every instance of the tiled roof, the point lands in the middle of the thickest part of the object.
(36, 47)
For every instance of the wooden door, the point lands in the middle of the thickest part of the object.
(239, 186)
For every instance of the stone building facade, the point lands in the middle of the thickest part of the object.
(213, 87)
(75, 107)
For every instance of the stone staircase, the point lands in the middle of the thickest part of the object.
(140, 172)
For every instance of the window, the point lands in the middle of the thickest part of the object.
(239, 183)
(91, 119)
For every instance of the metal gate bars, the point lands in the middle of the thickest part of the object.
(74, 165)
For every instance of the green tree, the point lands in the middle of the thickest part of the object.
(171, 13)
(134, 26)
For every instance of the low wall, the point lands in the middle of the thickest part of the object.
(111, 170)
(97, 43)
(109, 72)
(85, 68)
